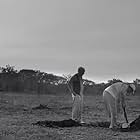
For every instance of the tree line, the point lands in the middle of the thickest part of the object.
(37, 82)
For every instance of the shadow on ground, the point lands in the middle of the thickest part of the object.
(134, 126)
(70, 123)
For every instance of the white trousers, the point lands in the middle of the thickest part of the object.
(77, 108)
(111, 107)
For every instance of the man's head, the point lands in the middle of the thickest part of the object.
(131, 89)
(81, 71)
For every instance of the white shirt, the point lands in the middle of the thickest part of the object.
(117, 90)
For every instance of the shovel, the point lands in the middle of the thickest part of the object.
(125, 115)
(125, 125)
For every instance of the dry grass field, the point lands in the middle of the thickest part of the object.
(17, 116)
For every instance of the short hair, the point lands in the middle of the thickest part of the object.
(81, 69)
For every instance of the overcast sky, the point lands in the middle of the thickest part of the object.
(57, 36)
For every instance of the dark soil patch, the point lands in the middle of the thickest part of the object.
(70, 123)
(133, 126)
(41, 106)
(54, 124)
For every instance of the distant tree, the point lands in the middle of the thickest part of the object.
(8, 69)
(136, 82)
(8, 79)
(88, 82)
(114, 81)
(67, 79)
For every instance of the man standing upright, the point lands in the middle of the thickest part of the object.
(76, 89)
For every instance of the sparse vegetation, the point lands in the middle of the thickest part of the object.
(21, 90)
(16, 119)
(37, 82)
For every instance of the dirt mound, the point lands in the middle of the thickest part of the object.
(41, 106)
(54, 124)
(70, 123)
(133, 126)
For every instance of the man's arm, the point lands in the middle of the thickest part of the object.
(70, 85)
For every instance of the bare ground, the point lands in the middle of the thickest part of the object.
(17, 116)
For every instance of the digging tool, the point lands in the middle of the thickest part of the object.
(125, 125)
(125, 115)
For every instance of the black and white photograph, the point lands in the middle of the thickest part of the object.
(69, 70)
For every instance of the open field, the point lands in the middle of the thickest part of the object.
(17, 116)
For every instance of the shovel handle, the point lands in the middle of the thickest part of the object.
(125, 115)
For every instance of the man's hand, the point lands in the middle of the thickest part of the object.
(123, 105)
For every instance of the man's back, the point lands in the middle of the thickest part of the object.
(75, 81)
(116, 89)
